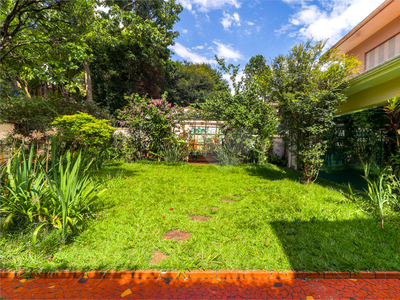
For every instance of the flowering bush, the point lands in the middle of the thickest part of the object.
(122, 115)
(150, 124)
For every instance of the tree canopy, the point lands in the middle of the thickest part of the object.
(308, 83)
(129, 49)
(194, 82)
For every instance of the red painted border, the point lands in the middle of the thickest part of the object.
(200, 274)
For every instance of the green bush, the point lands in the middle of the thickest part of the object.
(37, 112)
(173, 153)
(83, 129)
(60, 197)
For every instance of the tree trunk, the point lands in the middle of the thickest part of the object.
(88, 82)
(22, 84)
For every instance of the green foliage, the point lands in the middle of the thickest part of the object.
(151, 123)
(39, 112)
(60, 197)
(173, 153)
(42, 41)
(82, 130)
(193, 83)
(378, 194)
(254, 70)
(227, 152)
(21, 188)
(129, 47)
(307, 83)
(244, 112)
(72, 189)
(276, 223)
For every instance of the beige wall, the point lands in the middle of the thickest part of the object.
(5, 129)
(375, 40)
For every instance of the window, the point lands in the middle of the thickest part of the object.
(383, 52)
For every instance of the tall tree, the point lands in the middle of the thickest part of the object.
(129, 49)
(194, 82)
(42, 40)
(244, 113)
(308, 84)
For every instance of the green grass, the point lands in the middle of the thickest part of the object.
(279, 224)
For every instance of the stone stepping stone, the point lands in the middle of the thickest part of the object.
(236, 195)
(248, 191)
(158, 257)
(177, 234)
(212, 207)
(199, 218)
(227, 200)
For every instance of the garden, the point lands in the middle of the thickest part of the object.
(99, 179)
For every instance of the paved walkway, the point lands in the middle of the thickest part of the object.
(199, 289)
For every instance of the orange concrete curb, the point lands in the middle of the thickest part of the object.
(200, 274)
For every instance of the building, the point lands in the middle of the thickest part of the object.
(376, 43)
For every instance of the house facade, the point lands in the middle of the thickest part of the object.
(376, 44)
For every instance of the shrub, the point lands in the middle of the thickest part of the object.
(37, 112)
(227, 152)
(60, 197)
(82, 130)
(173, 153)
(150, 123)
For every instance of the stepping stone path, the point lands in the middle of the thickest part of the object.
(158, 257)
(227, 200)
(177, 234)
(199, 218)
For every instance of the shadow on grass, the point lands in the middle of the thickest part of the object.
(359, 244)
(347, 174)
(273, 172)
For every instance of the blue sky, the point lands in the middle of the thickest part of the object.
(239, 29)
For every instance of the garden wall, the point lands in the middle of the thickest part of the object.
(5, 129)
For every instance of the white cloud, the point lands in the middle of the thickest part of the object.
(184, 31)
(332, 19)
(296, 1)
(198, 47)
(250, 23)
(228, 19)
(226, 51)
(207, 5)
(284, 29)
(186, 54)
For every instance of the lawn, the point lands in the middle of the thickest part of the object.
(276, 223)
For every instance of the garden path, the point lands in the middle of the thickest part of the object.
(167, 288)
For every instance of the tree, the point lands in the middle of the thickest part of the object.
(194, 82)
(129, 49)
(41, 41)
(255, 69)
(246, 115)
(308, 84)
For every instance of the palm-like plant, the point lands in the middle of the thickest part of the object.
(379, 193)
(23, 188)
(72, 189)
(392, 111)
